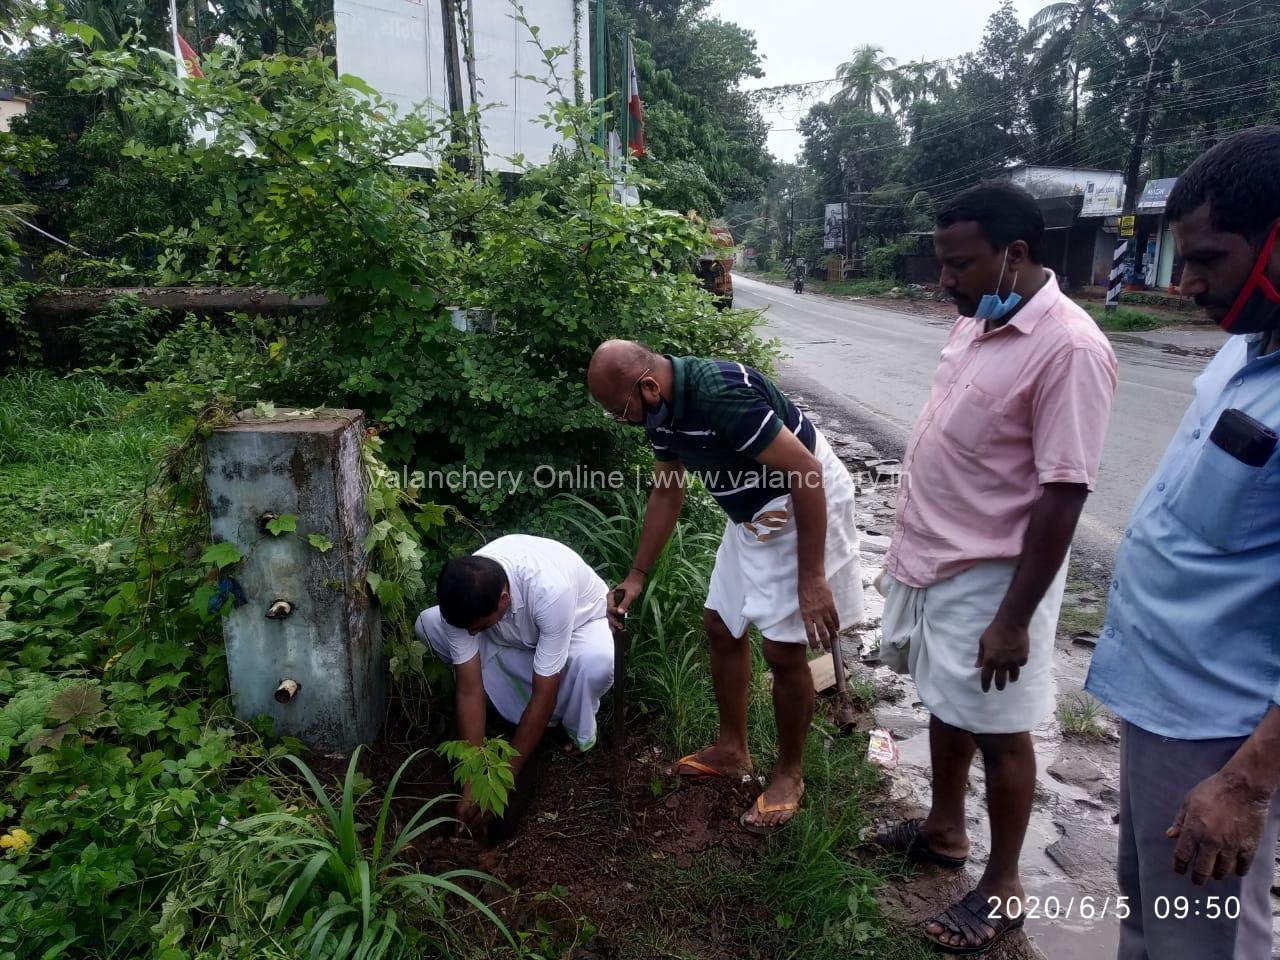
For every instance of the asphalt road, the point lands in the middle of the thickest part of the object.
(871, 368)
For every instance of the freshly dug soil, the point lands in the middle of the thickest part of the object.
(571, 849)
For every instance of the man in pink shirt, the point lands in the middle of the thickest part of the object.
(995, 476)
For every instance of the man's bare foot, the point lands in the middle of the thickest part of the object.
(777, 805)
(714, 761)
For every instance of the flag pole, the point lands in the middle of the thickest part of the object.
(625, 109)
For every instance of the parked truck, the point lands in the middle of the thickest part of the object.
(715, 267)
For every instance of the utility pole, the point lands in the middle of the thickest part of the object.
(1134, 165)
(453, 82)
(857, 221)
(791, 226)
(477, 138)
(844, 219)
(601, 140)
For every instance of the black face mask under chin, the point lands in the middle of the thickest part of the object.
(1257, 308)
(656, 416)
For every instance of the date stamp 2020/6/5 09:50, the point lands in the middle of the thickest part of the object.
(1117, 907)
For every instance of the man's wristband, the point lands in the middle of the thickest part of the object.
(643, 573)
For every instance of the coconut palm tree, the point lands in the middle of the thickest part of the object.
(919, 80)
(11, 14)
(865, 79)
(1060, 35)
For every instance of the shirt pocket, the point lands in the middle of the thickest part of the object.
(1220, 498)
(974, 418)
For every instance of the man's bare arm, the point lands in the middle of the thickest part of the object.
(534, 720)
(1005, 645)
(809, 498)
(470, 700)
(661, 513)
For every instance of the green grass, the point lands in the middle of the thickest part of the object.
(73, 455)
(1080, 718)
(1126, 318)
(854, 288)
(840, 288)
(1078, 617)
(807, 897)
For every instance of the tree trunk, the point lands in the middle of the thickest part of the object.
(71, 306)
(54, 314)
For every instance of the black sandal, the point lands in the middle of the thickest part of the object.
(967, 917)
(904, 837)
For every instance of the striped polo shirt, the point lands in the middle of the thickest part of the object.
(724, 415)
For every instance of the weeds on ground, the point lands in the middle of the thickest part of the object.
(319, 884)
(1127, 318)
(1081, 718)
(74, 456)
(1077, 617)
(807, 897)
(121, 758)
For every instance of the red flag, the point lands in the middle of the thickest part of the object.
(634, 107)
(189, 56)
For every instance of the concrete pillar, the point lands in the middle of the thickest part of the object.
(314, 662)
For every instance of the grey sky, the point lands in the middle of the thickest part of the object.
(803, 40)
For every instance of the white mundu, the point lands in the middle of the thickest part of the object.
(556, 624)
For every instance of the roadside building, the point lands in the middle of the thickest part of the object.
(1156, 263)
(12, 106)
(1080, 208)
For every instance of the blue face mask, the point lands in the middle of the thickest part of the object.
(991, 307)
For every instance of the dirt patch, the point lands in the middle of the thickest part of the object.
(573, 854)
(922, 306)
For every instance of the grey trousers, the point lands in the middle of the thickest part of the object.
(1155, 774)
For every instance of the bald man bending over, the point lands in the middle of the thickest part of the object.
(788, 560)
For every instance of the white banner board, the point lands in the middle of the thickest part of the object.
(397, 47)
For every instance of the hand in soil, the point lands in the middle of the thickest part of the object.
(472, 821)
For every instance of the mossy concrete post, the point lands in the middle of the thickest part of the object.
(305, 646)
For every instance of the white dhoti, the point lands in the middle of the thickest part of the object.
(933, 633)
(754, 579)
(507, 673)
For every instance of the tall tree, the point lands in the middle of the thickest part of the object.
(706, 138)
(1062, 35)
(866, 79)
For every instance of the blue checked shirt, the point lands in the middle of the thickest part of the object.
(1191, 645)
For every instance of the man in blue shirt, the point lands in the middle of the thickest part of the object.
(1190, 654)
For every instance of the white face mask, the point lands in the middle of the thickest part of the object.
(991, 306)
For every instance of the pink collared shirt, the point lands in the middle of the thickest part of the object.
(1021, 406)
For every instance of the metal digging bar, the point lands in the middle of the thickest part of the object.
(620, 644)
(846, 717)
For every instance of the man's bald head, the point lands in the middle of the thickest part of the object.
(614, 369)
(628, 379)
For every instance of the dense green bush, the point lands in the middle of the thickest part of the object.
(315, 208)
(886, 262)
(123, 330)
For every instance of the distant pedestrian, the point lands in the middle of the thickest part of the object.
(1190, 653)
(996, 474)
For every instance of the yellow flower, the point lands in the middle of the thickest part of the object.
(17, 840)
